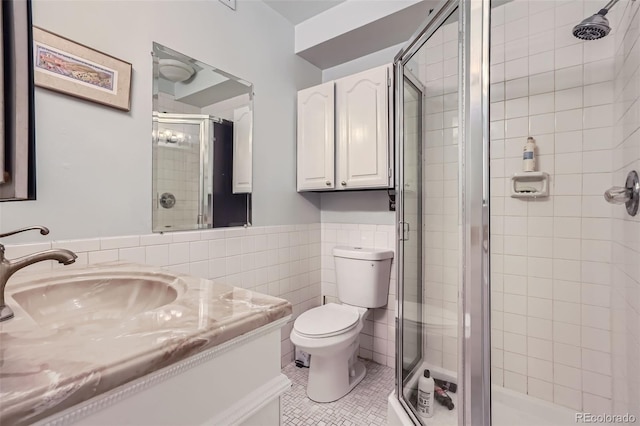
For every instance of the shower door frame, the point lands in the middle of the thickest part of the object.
(413, 80)
(474, 359)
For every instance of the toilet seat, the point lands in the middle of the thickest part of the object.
(326, 321)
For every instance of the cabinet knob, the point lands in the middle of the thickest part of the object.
(343, 183)
(328, 183)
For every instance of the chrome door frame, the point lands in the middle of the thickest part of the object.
(474, 180)
(413, 80)
(474, 359)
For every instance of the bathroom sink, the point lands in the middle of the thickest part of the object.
(85, 299)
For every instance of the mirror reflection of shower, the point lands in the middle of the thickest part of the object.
(202, 145)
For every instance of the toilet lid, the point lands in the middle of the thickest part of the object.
(327, 320)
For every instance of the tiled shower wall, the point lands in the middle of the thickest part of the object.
(625, 279)
(282, 261)
(551, 258)
(377, 339)
(179, 171)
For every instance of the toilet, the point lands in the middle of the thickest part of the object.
(329, 333)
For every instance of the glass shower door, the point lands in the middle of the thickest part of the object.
(430, 258)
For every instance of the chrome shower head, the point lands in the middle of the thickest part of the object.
(593, 28)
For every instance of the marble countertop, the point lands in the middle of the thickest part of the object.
(68, 345)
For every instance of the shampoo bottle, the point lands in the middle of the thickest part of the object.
(529, 155)
(425, 395)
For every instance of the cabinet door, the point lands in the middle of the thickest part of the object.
(362, 114)
(316, 138)
(242, 164)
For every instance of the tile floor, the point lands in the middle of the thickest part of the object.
(365, 405)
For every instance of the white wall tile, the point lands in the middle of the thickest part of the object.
(568, 99)
(178, 253)
(567, 397)
(541, 83)
(568, 77)
(103, 256)
(568, 56)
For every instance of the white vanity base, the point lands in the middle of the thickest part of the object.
(236, 383)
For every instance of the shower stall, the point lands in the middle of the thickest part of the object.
(519, 281)
(195, 164)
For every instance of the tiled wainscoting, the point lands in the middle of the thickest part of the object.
(377, 339)
(282, 261)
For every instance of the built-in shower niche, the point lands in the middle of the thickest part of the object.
(202, 145)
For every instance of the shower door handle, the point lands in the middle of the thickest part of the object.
(404, 228)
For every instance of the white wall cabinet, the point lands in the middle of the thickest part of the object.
(315, 151)
(242, 147)
(344, 144)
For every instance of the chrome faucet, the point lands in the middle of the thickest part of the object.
(10, 267)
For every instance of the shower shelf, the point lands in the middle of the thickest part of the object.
(530, 185)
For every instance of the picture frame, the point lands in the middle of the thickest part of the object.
(17, 125)
(64, 66)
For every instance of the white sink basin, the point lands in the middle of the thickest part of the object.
(83, 299)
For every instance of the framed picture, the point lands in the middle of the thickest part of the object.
(71, 68)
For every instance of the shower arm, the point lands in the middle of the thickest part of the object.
(607, 7)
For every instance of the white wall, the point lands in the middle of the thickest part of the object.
(370, 207)
(94, 162)
(344, 18)
(373, 60)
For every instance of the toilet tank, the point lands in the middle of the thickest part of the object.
(362, 275)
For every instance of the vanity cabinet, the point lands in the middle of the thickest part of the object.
(343, 133)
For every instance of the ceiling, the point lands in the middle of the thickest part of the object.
(296, 11)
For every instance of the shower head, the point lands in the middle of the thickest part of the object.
(593, 28)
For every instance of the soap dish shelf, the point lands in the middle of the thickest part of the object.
(530, 185)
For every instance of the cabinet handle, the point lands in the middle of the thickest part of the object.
(343, 183)
(328, 183)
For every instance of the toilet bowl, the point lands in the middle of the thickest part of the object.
(329, 333)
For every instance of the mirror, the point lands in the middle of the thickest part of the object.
(202, 144)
